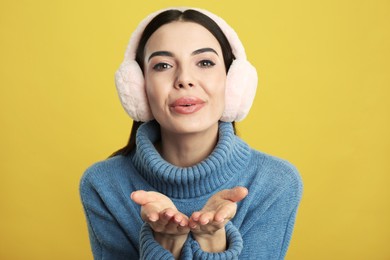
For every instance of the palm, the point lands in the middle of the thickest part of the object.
(160, 212)
(219, 209)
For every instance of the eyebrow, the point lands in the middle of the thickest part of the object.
(204, 50)
(160, 53)
(170, 54)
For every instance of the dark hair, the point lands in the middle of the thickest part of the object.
(165, 18)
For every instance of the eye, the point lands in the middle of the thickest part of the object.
(206, 64)
(161, 66)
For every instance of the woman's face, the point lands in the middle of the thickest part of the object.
(185, 78)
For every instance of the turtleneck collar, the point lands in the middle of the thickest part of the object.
(230, 156)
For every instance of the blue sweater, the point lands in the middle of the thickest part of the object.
(261, 229)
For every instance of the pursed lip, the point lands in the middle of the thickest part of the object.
(187, 101)
(187, 105)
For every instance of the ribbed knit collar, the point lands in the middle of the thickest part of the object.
(230, 156)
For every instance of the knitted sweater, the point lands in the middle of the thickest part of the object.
(261, 228)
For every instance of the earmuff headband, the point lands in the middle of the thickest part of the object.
(241, 81)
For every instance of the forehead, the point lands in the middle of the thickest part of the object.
(181, 35)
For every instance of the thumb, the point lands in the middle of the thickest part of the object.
(142, 197)
(237, 194)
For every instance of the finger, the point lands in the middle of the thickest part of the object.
(180, 219)
(226, 212)
(177, 218)
(142, 197)
(151, 216)
(149, 213)
(184, 222)
(236, 194)
(168, 225)
(195, 216)
(183, 229)
(166, 216)
(172, 227)
(205, 218)
(193, 221)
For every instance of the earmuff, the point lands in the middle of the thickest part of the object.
(241, 81)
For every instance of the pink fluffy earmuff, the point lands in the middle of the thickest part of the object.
(241, 81)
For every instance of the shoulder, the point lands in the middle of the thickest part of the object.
(107, 172)
(275, 190)
(276, 173)
(103, 169)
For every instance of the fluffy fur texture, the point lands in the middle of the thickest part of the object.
(241, 82)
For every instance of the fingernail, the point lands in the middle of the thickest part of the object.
(152, 219)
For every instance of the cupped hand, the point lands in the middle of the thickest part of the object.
(219, 209)
(161, 214)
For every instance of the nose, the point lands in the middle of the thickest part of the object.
(184, 78)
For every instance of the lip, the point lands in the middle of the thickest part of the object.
(187, 105)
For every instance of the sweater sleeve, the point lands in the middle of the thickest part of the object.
(116, 230)
(192, 249)
(269, 222)
(108, 240)
(150, 248)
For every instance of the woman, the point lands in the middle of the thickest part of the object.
(185, 186)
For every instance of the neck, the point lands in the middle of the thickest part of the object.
(188, 149)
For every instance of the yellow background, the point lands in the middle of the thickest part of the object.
(323, 104)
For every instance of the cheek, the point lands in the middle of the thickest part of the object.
(222, 93)
(156, 95)
(219, 91)
(150, 92)
(151, 85)
(149, 89)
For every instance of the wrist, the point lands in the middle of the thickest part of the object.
(172, 243)
(212, 242)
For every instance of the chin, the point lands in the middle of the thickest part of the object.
(191, 125)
